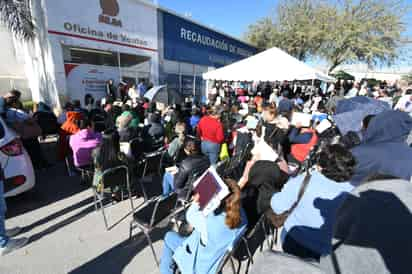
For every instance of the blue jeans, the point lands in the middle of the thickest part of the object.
(167, 183)
(211, 150)
(172, 241)
(3, 237)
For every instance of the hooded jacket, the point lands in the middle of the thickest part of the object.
(70, 127)
(371, 235)
(384, 149)
(372, 230)
(82, 144)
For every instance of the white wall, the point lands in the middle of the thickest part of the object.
(12, 72)
(39, 66)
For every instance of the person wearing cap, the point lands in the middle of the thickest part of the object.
(210, 131)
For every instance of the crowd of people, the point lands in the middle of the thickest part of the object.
(295, 174)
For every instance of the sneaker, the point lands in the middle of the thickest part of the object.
(13, 244)
(13, 231)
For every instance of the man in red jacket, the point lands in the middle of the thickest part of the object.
(210, 131)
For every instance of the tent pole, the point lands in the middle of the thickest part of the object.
(119, 66)
(207, 91)
(313, 86)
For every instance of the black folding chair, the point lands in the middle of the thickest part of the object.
(149, 163)
(234, 168)
(221, 167)
(111, 178)
(249, 244)
(152, 215)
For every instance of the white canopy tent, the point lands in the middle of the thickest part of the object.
(270, 65)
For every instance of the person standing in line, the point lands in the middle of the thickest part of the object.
(133, 94)
(210, 131)
(110, 89)
(7, 244)
(141, 87)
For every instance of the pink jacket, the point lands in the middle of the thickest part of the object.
(82, 144)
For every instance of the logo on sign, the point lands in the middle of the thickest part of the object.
(110, 10)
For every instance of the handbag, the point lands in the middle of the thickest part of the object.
(278, 220)
(224, 152)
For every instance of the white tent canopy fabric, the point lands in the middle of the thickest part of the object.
(270, 65)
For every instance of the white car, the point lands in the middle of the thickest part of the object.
(17, 165)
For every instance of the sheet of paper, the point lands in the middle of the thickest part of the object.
(303, 118)
(324, 125)
(216, 200)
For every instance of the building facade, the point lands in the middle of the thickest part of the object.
(80, 45)
(188, 49)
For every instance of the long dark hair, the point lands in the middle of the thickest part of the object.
(109, 150)
(233, 205)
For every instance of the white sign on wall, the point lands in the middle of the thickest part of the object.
(88, 79)
(119, 22)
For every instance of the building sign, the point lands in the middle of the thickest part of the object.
(110, 9)
(122, 22)
(185, 41)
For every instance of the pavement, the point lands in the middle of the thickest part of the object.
(67, 235)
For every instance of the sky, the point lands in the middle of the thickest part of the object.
(233, 17)
(229, 16)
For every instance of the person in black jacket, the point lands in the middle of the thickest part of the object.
(194, 165)
(154, 133)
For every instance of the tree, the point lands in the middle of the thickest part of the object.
(15, 15)
(369, 31)
(408, 78)
(340, 32)
(296, 28)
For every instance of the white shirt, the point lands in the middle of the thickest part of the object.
(133, 93)
(403, 103)
(352, 93)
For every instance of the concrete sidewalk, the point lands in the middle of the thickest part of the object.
(68, 236)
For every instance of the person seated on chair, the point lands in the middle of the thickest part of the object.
(153, 134)
(307, 230)
(195, 163)
(83, 143)
(302, 140)
(202, 251)
(107, 156)
(69, 127)
(127, 124)
(177, 143)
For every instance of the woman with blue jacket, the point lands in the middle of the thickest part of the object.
(202, 251)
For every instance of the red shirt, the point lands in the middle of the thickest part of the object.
(210, 129)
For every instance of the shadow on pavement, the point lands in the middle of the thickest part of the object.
(52, 185)
(117, 258)
(59, 225)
